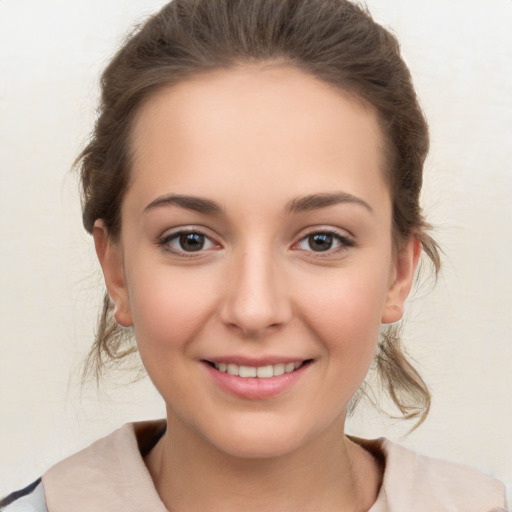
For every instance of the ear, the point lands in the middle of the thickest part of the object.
(111, 260)
(405, 268)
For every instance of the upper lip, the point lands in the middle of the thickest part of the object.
(255, 361)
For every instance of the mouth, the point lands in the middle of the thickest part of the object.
(261, 372)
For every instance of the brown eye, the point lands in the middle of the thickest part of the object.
(186, 242)
(324, 241)
(320, 242)
(191, 242)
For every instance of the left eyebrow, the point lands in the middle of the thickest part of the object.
(317, 201)
(197, 204)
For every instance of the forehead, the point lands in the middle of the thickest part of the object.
(276, 123)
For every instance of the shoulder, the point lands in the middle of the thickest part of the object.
(417, 482)
(29, 499)
(109, 475)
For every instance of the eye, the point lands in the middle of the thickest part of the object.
(186, 242)
(324, 241)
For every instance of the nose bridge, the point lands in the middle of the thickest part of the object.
(256, 299)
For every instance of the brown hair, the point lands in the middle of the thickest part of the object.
(334, 40)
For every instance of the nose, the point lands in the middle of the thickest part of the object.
(256, 299)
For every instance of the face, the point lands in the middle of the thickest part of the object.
(255, 260)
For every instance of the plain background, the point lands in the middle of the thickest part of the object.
(51, 54)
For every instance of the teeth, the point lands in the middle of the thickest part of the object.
(289, 367)
(278, 369)
(262, 372)
(247, 371)
(232, 369)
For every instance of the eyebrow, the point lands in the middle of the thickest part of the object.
(197, 204)
(297, 205)
(317, 201)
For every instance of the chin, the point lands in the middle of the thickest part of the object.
(264, 437)
(258, 446)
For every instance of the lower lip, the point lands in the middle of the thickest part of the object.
(253, 388)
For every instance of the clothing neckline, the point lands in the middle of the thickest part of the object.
(111, 475)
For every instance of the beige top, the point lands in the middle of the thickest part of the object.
(111, 476)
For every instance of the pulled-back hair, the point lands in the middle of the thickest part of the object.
(335, 41)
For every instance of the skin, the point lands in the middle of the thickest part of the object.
(254, 141)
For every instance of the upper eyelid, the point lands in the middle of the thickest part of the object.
(166, 242)
(173, 233)
(170, 232)
(300, 235)
(345, 239)
(342, 233)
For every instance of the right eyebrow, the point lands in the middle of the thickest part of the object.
(324, 200)
(197, 204)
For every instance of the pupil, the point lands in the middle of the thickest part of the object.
(192, 242)
(320, 242)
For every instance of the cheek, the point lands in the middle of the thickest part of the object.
(168, 307)
(346, 319)
(348, 304)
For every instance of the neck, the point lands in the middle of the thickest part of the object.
(329, 473)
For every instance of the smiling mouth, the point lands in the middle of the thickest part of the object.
(261, 372)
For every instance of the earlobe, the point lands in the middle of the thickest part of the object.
(110, 257)
(406, 264)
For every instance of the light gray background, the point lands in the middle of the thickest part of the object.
(51, 53)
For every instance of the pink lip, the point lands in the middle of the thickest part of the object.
(253, 388)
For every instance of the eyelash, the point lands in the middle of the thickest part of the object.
(344, 242)
(165, 242)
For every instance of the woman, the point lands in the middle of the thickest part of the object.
(252, 188)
